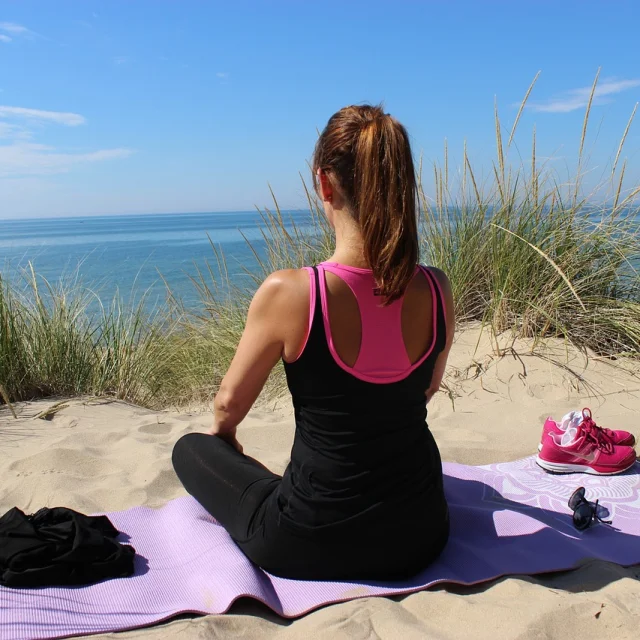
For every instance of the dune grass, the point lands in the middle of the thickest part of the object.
(525, 251)
(538, 255)
(59, 341)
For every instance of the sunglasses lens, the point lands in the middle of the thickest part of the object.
(582, 516)
(576, 498)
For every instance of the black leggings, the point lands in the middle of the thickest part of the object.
(242, 495)
(232, 487)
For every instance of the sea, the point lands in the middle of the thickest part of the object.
(140, 257)
(137, 256)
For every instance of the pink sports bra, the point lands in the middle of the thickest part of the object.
(383, 356)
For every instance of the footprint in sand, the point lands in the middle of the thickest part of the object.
(64, 461)
(154, 428)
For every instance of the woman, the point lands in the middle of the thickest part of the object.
(364, 338)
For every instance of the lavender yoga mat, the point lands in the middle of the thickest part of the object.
(506, 519)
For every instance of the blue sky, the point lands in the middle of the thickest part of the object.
(157, 106)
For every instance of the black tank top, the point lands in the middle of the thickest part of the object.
(363, 458)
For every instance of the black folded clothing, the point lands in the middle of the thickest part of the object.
(60, 546)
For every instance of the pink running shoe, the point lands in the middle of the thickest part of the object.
(584, 450)
(575, 418)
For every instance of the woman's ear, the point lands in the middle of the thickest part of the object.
(326, 188)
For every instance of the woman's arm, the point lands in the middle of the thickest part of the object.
(441, 362)
(277, 317)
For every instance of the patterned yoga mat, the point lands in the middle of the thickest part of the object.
(506, 519)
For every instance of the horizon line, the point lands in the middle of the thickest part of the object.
(132, 215)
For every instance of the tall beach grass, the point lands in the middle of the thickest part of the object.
(526, 251)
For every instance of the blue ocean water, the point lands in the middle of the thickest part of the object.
(134, 254)
(138, 253)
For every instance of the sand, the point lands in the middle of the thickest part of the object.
(104, 455)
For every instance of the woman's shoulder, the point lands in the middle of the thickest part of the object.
(282, 302)
(438, 273)
(447, 296)
(440, 276)
(287, 280)
(285, 289)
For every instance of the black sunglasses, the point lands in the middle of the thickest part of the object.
(584, 512)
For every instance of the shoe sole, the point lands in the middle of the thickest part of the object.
(557, 467)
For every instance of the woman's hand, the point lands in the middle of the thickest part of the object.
(229, 437)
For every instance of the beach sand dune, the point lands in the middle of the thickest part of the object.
(104, 455)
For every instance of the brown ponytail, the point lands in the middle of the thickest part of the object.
(367, 152)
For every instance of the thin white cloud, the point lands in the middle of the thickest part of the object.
(579, 98)
(12, 27)
(222, 74)
(30, 159)
(59, 117)
(4, 38)
(13, 131)
(20, 156)
(120, 59)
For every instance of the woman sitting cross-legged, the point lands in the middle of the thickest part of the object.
(364, 338)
